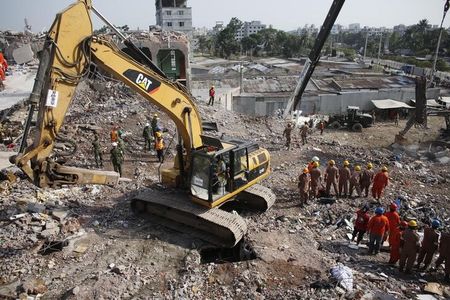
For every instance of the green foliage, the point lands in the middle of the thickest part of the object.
(226, 44)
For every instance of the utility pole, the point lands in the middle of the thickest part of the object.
(365, 47)
(379, 47)
(433, 71)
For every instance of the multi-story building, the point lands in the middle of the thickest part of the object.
(354, 27)
(401, 28)
(337, 28)
(174, 15)
(249, 28)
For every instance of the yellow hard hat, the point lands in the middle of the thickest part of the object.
(155, 115)
(158, 134)
(369, 166)
(331, 162)
(384, 169)
(412, 223)
(358, 168)
(346, 163)
(315, 164)
(305, 171)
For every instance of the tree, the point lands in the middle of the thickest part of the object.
(226, 43)
(204, 44)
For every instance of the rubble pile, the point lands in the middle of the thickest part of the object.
(84, 242)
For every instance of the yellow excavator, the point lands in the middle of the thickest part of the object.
(207, 172)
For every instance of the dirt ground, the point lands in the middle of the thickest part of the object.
(114, 254)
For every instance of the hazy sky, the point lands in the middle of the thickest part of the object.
(281, 14)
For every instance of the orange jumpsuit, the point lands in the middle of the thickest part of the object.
(380, 181)
(394, 222)
(331, 179)
(410, 243)
(316, 174)
(394, 242)
(344, 177)
(303, 186)
(444, 253)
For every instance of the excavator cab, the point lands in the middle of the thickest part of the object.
(223, 168)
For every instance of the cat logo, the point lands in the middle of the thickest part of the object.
(145, 82)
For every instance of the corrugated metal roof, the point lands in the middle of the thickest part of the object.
(389, 104)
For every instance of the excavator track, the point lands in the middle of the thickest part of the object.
(257, 197)
(176, 210)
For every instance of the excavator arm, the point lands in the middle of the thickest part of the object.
(69, 51)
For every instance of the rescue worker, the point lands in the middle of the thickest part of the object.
(355, 180)
(444, 254)
(380, 181)
(321, 127)
(304, 181)
(159, 146)
(331, 177)
(377, 227)
(97, 152)
(394, 220)
(148, 136)
(344, 178)
(287, 133)
(114, 134)
(430, 244)
(212, 94)
(311, 163)
(304, 133)
(3, 66)
(155, 124)
(394, 242)
(409, 246)
(116, 158)
(360, 225)
(366, 179)
(316, 176)
(396, 118)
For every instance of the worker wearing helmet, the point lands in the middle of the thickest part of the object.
(287, 133)
(212, 94)
(410, 245)
(444, 253)
(155, 124)
(380, 182)
(311, 163)
(331, 178)
(316, 178)
(97, 149)
(159, 146)
(366, 179)
(304, 133)
(116, 158)
(430, 244)
(377, 227)
(304, 182)
(394, 220)
(355, 180)
(148, 136)
(344, 178)
(360, 225)
(394, 242)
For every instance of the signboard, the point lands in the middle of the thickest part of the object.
(52, 98)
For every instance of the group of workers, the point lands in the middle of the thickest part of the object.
(343, 180)
(152, 134)
(404, 242)
(304, 131)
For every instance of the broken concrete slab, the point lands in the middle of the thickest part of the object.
(426, 297)
(60, 214)
(23, 54)
(35, 207)
(49, 232)
(434, 288)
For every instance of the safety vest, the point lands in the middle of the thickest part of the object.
(159, 144)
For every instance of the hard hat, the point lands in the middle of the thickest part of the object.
(346, 163)
(305, 171)
(315, 158)
(384, 169)
(155, 115)
(435, 223)
(331, 162)
(147, 124)
(379, 211)
(369, 166)
(412, 224)
(158, 134)
(114, 144)
(393, 207)
(315, 164)
(212, 86)
(403, 224)
(358, 168)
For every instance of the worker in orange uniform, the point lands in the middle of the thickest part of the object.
(114, 134)
(444, 254)
(361, 222)
(355, 180)
(304, 181)
(159, 146)
(380, 181)
(394, 242)
(366, 179)
(3, 66)
(316, 176)
(394, 220)
(377, 227)
(410, 245)
(344, 177)
(311, 163)
(430, 244)
(331, 178)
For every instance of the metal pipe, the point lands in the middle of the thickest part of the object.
(110, 25)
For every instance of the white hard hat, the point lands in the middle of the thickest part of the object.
(315, 158)
(147, 124)
(114, 144)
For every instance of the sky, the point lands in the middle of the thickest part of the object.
(281, 14)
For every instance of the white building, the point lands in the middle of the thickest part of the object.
(174, 15)
(354, 27)
(249, 28)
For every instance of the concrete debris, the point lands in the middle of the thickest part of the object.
(23, 54)
(434, 288)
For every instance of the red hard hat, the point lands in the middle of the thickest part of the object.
(393, 206)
